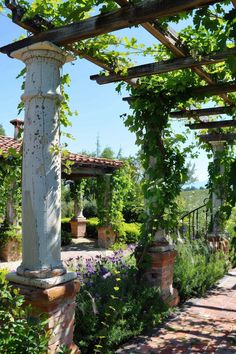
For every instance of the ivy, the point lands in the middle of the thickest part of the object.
(111, 193)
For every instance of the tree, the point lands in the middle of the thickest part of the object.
(108, 153)
(190, 173)
(2, 131)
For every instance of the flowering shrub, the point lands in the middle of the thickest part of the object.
(112, 306)
(197, 268)
(20, 333)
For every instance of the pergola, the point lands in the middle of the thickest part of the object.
(41, 266)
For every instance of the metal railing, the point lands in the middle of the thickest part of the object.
(196, 223)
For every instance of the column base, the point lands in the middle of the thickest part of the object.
(160, 271)
(58, 303)
(219, 242)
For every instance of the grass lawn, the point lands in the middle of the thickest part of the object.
(194, 199)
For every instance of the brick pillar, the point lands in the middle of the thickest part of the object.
(160, 268)
(58, 304)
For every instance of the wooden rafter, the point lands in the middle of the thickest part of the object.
(209, 90)
(165, 66)
(122, 18)
(38, 24)
(218, 137)
(201, 112)
(170, 39)
(212, 125)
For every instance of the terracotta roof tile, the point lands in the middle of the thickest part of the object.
(6, 143)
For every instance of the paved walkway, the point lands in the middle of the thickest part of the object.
(206, 325)
(80, 247)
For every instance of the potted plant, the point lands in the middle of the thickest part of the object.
(10, 243)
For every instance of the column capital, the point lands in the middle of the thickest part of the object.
(217, 145)
(42, 50)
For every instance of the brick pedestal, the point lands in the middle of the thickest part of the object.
(78, 227)
(159, 273)
(106, 237)
(58, 303)
(218, 242)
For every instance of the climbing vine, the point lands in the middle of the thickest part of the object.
(221, 171)
(10, 183)
(111, 191)
(163, 151)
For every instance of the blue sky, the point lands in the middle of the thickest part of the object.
(99, 107)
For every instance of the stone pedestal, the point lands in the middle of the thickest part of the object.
(106, 237)
(78, 227)
(58, 304)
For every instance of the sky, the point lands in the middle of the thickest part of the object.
(99, 107)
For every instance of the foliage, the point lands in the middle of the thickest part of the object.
(8, 233)
(65, 224)
(66, 238)
(163, 153)
(111, 305)
(222, 181)
(111, 191)
(92, 227)
(2, 131)
(131, 233)
(197, 268)
(231, 229)
(10, 181)
(20, 333)
(193, 199)
(90, 208)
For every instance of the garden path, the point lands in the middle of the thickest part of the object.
(80, 247)
(205, 325)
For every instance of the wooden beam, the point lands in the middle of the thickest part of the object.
(218, 137)
(202, 112)
(202, 91)
(212, 125)
(109, 22)
(165, 66)
(38, 24)
(213, 90)
(170, 39)
(234, 3)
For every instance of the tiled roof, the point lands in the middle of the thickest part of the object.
(6, 143)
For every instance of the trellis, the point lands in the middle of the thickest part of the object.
(127, 16)
(146, 13)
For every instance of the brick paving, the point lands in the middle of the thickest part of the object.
(206, 325)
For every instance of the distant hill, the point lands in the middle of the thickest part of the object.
(197, 185)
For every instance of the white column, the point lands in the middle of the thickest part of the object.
(41, 185)
(217, 147)
(217, 197)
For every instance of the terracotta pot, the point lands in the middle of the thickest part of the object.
(106, 236)
(11, 250)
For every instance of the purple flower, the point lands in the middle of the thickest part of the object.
(106, 275)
